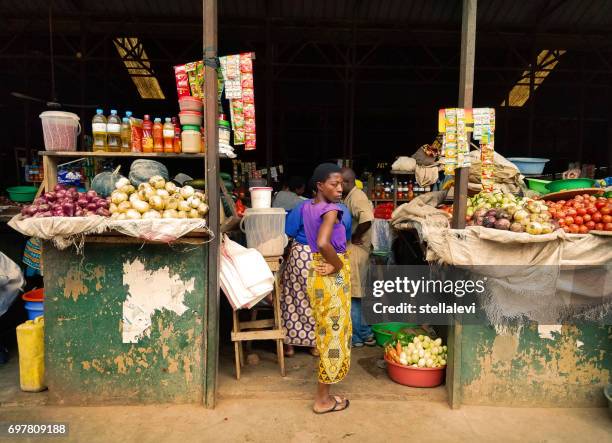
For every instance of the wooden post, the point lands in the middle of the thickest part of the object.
(466, 94)
(211, 339)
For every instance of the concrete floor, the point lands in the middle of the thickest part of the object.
(263, 407)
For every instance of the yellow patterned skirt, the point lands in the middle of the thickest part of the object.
(330, 300)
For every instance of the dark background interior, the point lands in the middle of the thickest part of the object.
(386, 65)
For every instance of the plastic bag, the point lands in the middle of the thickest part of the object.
(381, 236)
(11, 282)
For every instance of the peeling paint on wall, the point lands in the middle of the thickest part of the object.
(149, 291)
(546, 331)
(538, 366)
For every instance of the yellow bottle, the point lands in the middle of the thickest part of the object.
(31, 344)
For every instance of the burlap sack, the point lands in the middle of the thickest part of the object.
(63, 231)
(164, 230)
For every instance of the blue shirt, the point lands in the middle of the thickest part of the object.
(294, 224)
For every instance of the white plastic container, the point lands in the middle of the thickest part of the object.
(189, 103)
(191, 141)
(190, 118)
(60, 130)
(261, 197)
(265, 230)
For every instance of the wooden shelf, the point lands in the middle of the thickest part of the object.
(101, 154)
(390, 200)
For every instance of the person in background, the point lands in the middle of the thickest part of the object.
(296, 313)
(329, 285)
(290, 195)
(362, 214)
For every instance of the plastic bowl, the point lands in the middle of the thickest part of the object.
(190, 118)
(415, 377)
(22, 194)
(538, 185)
(570, 183)
(528, 165)
(190, 104)
(36, 295)
(381, 334)
(34, 309)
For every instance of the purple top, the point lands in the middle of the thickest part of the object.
(312, 214)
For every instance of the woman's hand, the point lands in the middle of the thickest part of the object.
(325, 269)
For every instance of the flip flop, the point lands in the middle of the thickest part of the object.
(335, 408)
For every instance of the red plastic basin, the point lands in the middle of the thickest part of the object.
(34, 295)
(415, 377)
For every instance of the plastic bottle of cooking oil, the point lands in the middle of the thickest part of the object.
(98, 129)
(126, 135)
(168, 133)
(113, 129)
(147, 134)
(158, 135)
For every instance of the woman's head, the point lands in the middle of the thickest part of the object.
(328, 181)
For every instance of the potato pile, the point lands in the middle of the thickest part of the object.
(156, 199)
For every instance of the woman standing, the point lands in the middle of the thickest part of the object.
(298, 321)
(329, 285)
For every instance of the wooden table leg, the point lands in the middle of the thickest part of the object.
(237, 345)
(278, 325)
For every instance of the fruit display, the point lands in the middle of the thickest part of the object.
(156, 198)
(583, 213)
(67, 202)
(510, 213)
(420, 351)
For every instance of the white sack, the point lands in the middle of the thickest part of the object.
(11, 282)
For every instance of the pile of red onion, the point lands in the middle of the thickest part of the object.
(67, 202)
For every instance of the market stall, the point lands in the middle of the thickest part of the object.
(126, 256)
(532, 351)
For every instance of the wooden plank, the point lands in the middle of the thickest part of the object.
(211, 338)
(466, 93)
(460, 197)
(256, 324)
(258, 335)
(50, 172)
(79, 154)
(41, 188)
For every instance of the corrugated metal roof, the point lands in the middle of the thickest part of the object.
(564, 16)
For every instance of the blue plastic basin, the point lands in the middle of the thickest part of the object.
(529, 165)
(34, 309)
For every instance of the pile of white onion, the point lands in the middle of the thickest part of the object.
(156, 199)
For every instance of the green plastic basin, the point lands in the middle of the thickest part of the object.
(570, 183)
(538, 185)
(384, 331)
(22, 194)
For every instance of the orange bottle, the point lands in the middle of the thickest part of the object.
(158, 136)
(168, 132)
(177, 144)
(147, 134)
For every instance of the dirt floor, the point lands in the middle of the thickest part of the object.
(263, 407)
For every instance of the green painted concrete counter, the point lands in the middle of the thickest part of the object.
(87, 361)
(547, 366)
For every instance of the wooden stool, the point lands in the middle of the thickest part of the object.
(268, 329)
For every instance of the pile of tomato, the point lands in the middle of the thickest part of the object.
(583, 213)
